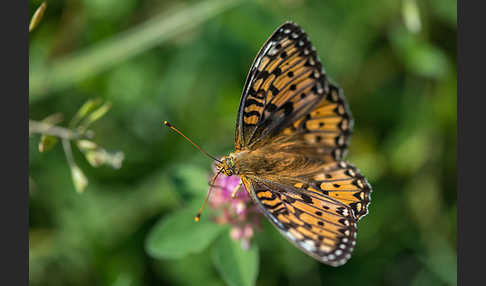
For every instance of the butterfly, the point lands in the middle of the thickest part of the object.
(292, 131)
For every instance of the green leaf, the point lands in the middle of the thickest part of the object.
(192, 180)
(37, 17)
(192, 270)
(85, 109)
(79, 179)
(178, 235)
(47, 142)
(237, 266)
(95, 115)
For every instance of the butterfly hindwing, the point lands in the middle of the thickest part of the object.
(340, 181)
(326, 130)
(285, 82)
(322, 227)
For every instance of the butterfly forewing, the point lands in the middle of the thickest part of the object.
(285, 82)
(320, 226)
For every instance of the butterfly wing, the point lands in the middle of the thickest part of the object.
(324, 132)
(285, 82)
(340, 181)
(320, 226)
(287, 93)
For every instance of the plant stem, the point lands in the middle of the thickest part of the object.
(37, 127)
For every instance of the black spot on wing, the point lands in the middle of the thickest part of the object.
(251, 113)
(306, 198)
(252, 101)
(287, 107)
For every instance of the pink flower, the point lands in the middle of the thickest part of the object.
(244, 234)
(240, 212)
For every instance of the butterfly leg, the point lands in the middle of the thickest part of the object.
(215, 185)
(236, 191)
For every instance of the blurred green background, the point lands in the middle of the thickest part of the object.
(186, 62)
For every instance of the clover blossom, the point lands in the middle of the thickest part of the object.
(241, 213)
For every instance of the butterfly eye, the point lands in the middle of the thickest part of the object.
(228, 172)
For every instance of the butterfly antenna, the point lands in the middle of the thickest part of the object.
(198, 216)
(166, 123)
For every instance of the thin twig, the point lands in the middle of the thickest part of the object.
(66, 145)
(36, 127)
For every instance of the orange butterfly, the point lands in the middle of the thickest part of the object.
(292, 131)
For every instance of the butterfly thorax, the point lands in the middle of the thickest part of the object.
(268, 162)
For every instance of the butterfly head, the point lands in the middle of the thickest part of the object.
(227, 165)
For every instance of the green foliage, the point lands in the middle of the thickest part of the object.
(178, 235)
(94, 60)
(420, 57)
(78, 131)
(186, 62)
(47, 142)
(88, 107)
(79, 179)
(237, 266)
